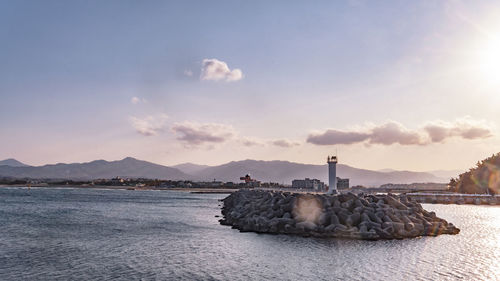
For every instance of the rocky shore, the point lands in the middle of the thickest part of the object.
(351, 216)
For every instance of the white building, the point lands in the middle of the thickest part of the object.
(307, 183)
(332, 174)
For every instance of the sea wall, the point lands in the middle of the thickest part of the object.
(343, 216)
(459, 199)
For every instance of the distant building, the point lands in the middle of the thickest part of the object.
(117, 181)
(307, 183)
(215, 183)
(342, 183)
(249, 182)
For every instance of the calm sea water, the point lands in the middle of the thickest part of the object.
(83, 234)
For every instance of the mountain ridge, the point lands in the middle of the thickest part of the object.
(189, 168)
(276, 171)
(285, 171)
(127, 167)
(12, 163)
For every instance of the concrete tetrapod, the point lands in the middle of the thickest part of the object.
(351, 216)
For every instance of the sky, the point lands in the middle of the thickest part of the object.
(407, 85)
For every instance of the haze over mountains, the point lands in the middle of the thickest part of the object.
(275, 171)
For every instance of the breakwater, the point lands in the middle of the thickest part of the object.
(446, 198)
(351, 216)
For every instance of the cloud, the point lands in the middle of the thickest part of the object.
(253, 141)
(250, 142)
(395, 133)
(194, 134)
(188, 73)
(149, 125)
(331, 137)
(216, 70)
(284, 143)
(466, 128)
(136, 100)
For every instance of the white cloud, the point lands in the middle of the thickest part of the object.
(386, 134)
(194, 134)
(216, 70)
(188, 73)
(136, 100)
(149, 125)
(466, 128)
(395, 133)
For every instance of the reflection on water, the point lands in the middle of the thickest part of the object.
(118, 234)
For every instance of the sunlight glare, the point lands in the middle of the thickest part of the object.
(489, 60)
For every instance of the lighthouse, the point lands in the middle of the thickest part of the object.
(332, 174)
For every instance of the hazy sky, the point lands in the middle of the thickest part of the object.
(387, 84)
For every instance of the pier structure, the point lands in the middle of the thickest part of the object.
(332, 174)
(454, 198)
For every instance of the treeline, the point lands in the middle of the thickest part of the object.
(482, 179)
(13, 181)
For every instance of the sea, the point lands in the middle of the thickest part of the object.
(99, 234)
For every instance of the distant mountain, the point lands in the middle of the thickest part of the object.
(275, 171)
(285, 172)
(386, 170)
(190, 168)
(12, 163)
(128, 167)
(446, 174)
(267, 171)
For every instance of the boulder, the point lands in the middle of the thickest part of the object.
(306, 225)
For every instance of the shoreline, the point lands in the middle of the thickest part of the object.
(429, 198)
(196, 190)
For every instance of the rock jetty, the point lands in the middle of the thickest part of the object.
(370, 217)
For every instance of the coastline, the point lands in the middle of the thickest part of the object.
(426, 198)
(187, 189)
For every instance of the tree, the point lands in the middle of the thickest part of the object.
(482, 179)
(452, 185)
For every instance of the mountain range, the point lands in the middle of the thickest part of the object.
(99, 169)
(12, 163)
(266, 171)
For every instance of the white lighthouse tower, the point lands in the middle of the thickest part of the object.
(332, 174)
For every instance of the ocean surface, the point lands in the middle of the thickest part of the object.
(91, 234)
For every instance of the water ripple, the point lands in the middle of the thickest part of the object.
(78, 234)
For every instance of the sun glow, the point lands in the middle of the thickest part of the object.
(489, 62)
